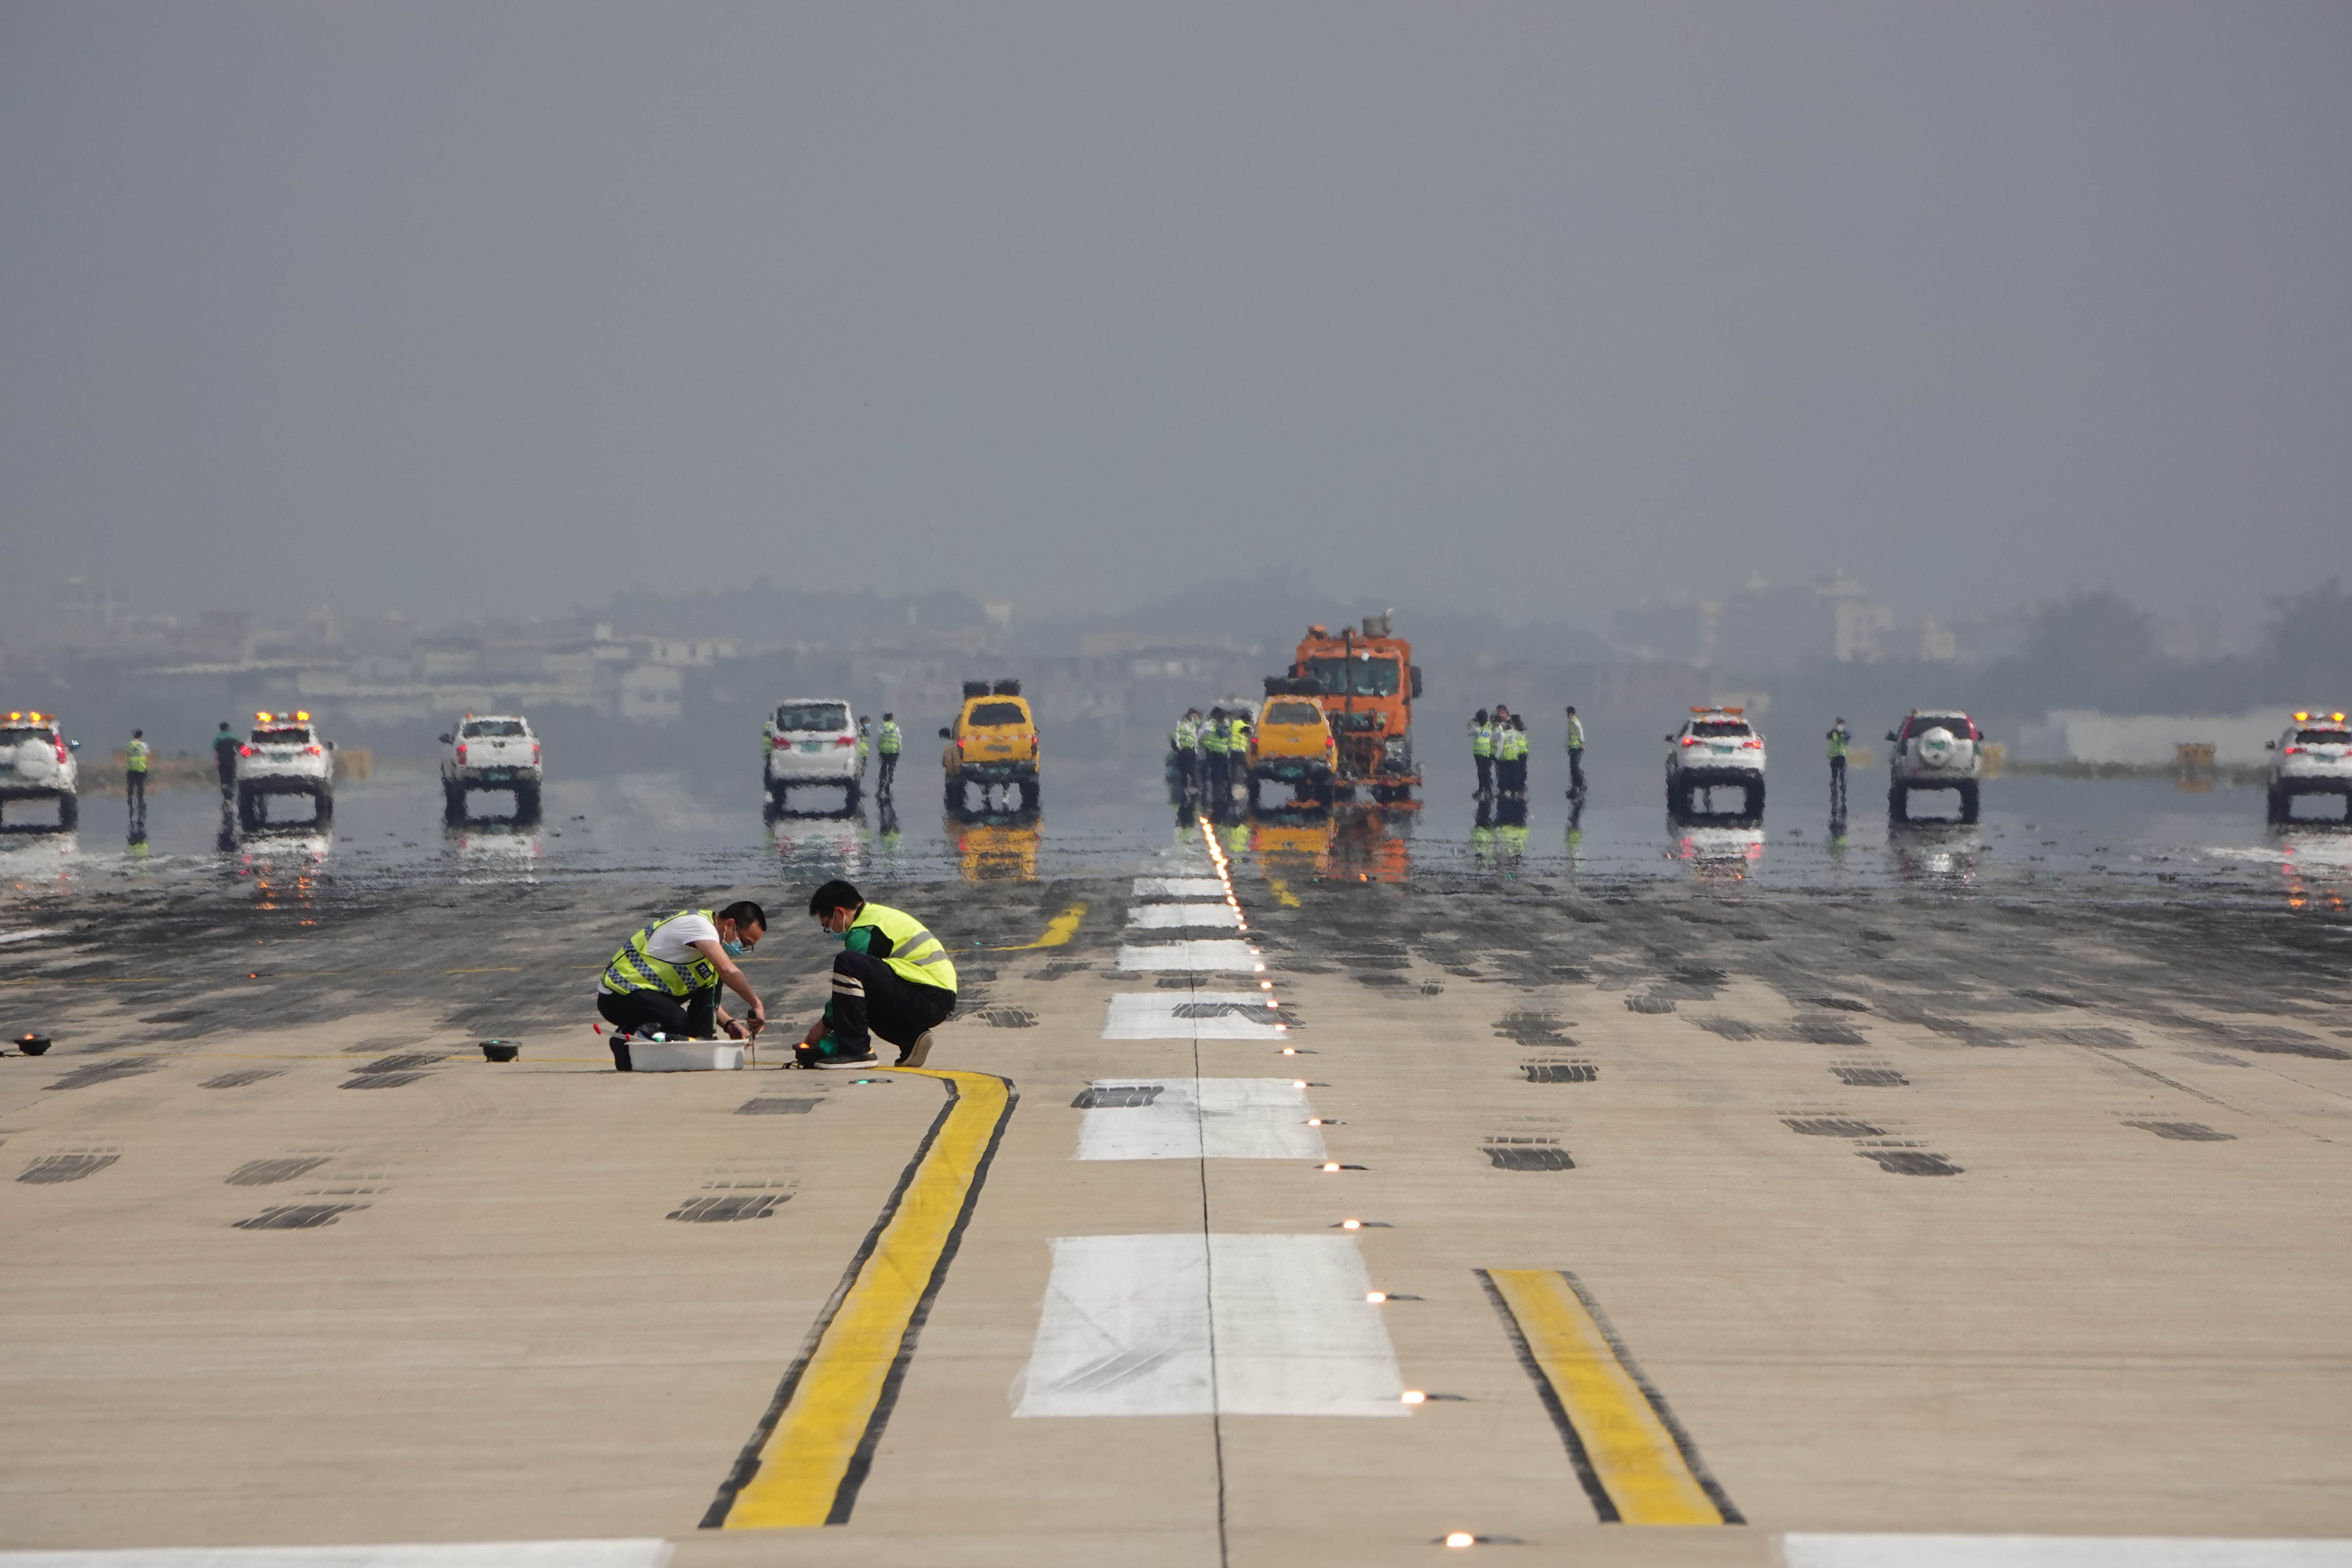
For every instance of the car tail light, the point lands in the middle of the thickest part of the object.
(2291, 751)
(312, 750)
(1752, 745)
(60, 745)
(844, 740)
(959, 743)
(1687, 740)
(534, 750)
(245, 751)
(461, 751)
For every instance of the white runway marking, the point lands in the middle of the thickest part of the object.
(1199, 1119)
(2058, 1552)
(452, 1555)
(1161, 1015)
(1194, 1325)
(1224, 954)
(1179, 888)
(9, 936)
(1171, 916)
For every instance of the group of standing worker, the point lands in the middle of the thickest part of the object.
(1204, 750)
(892, 981)
(1498, 749)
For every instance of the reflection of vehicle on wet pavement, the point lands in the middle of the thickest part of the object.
(812, 740)
(1002, 851)
(1721, 854)
(1373, 845)
(1935, 749)
(1365, 682)
(1290, 743)
(1299, 843)
(2314, 757)
(831, 841)
(1716, 748)
(993, 744)
(283, 755)
(1935, 851)
(37, 763)
(490, 751)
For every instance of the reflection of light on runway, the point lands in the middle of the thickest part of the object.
(284, 863)
(2315, 864)
(1721, 854)
(832, 843)
(996, 851)
(486, 847)
(35, 859)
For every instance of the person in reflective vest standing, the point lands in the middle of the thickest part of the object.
(1482, 753)
(665, 978)
(1511, 760)
(1575, 753)
(889, 745)
(891, 980)
(134, 774)
(1184, 742)
(1216, 743)
(1840, 737)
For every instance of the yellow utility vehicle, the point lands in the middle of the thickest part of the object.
(1290, 742)
(994, 744)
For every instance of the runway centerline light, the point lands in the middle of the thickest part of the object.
(1330, 1165)
(1414, 1396)
(1461, 1538)
(1351, 1224)
(1376, 1297)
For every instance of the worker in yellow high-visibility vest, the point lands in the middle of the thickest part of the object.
(891, 979)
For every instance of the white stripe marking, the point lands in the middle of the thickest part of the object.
(1201, 1119)
(2058, 1552)
(9, 936)
(1151, 1016)
(1172, 917)
(1179, 888)
(1228, 954)
(1128, 1325)
(647, 1554)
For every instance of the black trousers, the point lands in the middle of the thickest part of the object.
(1485, 774)
(1187, 765)
(1576, 769)
(889, 772)
(1837, 787)
(1221, 776)
(871, 999)
(134, 786)
(1510, 775)
(694, 1017)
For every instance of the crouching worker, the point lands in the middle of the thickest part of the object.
(892, 979)
(665, 980)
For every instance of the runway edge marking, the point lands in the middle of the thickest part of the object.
(1637, 1464)
(812, 1447)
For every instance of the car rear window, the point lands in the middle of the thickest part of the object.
(2322, 737)
(1719, 729)
(491, 727)
(277, 737)
(1292, 713)
(1957, 724)
(999, 713)
(821, 716)
(16, 734)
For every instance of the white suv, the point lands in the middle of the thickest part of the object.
(490, 751)
(284, 756)
(813, 741)
(2314, 757)
(1716, 748)
(37, 763)
(1936, 748)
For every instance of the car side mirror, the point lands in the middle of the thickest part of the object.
(1416, 683)
(947, 735)
(73, 745)
(1890, 735)
(449, 739)
(2270, 745)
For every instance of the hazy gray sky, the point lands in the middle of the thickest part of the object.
(429, 305)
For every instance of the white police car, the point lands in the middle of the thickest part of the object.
(37, 763)
(1936, 748)
(284, 756)
(1716, 748)
(2314, 757)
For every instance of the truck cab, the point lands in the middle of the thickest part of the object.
(992, 743)
(1365, 682)
(37, 763)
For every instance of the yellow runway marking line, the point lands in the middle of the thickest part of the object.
(1280, 887)
(811, 1450)
(1058, 931)
(1637, 1464)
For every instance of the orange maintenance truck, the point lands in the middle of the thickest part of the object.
(1365, 682)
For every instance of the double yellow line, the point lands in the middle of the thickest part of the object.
(812, 1449)
(1637, 1464)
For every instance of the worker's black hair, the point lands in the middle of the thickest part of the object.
(1481, 716)
(138, 734)
(1517, 723)
(888, 716)
(744, 912)
(1571, 706)
(834, 895)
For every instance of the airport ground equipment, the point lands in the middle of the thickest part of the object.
(283, 755)
(1365, 682)
(1935, 749)
(490, 751)
(813, 742)
(1716, 748)
(2312, 757)
(992, 742)
(37, 763)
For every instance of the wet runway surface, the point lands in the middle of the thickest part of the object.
(1300, 1189)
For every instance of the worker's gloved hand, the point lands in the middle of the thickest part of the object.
(815, 1033)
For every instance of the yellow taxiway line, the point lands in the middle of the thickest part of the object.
(811, 1450)
(1637, 1464)
(1058, 931)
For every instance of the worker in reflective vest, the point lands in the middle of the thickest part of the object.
(1184, 745)
(1216, 746)
(892, 979)
(1575, 753)
(134, 772)
(1840, 738)
(888, 746)
(1482, 752)
(665, 978)
(1511, 760)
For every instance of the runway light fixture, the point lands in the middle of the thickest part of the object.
(1461, 1538)
(1376, 1297)
(1351, 1224)
(1414, 1396)
(1331, 1166)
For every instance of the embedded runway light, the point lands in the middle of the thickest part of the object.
(1298, 1083)
(1331, 1165)
(1260, 968)
(1266, 984)
(1414, 1396)
(1461, 1538)
(1313, 1122)
(1351, 1224)
(1376, 1297)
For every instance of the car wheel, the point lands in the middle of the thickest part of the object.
(453, 801)
(527, 803)
(1755, 792)
(1969, 802)
(1898, 803)
(1031, 800)
(248, 808)
(955, 795)
(322, 806)
(69, 812)
(2280, 808)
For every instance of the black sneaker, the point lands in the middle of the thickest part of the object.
(832, 1064)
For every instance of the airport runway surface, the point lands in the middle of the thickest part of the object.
(1258, 1208)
